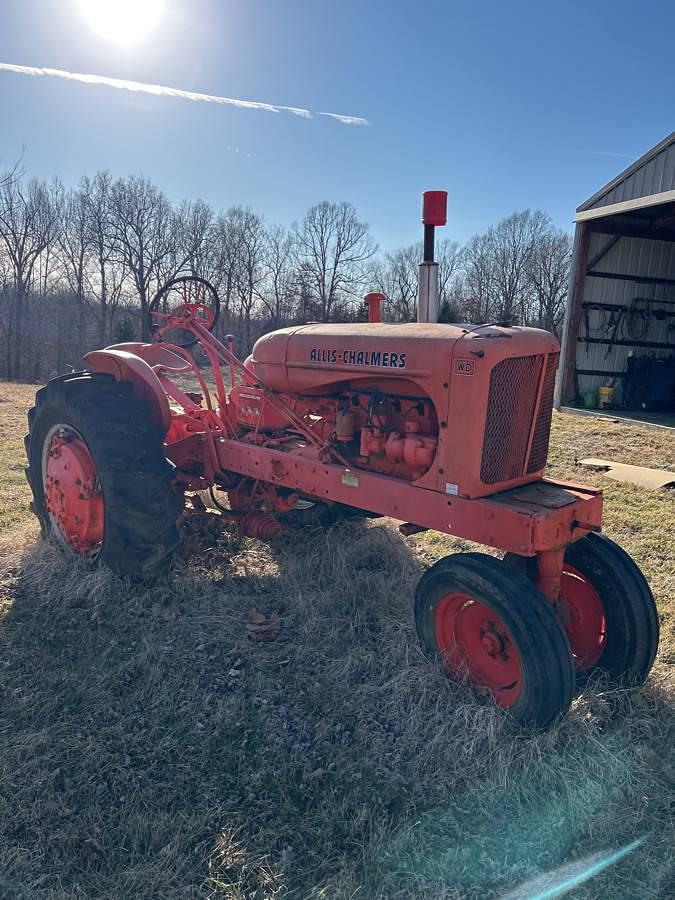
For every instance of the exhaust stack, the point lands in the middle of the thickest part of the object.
(434, 213)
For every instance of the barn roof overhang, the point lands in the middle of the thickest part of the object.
(638, 204)
(654, 222)
(593, 204)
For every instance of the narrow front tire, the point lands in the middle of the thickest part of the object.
(607, 609)
(488, 623)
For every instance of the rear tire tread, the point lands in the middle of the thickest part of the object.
(141, 506)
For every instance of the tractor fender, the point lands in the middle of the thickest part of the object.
(146, 386)
(155, 355)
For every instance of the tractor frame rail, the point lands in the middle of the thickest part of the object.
(544, 515)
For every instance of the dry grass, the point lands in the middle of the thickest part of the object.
(14, 495)
(149, 749)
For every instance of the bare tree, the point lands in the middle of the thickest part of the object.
(73, 241)
(107, 267)
(107, 246)
(498, 267)
(280, 287)
(548, 272)
(107, 270)
(223, 255)
(29, 224)
(195, 234)
(49, 265)
(396, 277)
(513, 242)
(145, 238)
(450, 258)
(251, 267)
(480, 281)
(333, 246)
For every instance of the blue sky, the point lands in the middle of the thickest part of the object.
(507, 105)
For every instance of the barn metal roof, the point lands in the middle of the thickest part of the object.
(648, 181)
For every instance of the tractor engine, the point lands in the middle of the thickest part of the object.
(460, 410)
(392, 434)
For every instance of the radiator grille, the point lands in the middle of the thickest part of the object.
(511, 402)
(542, 431)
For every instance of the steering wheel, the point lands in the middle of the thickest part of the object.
(188, 290)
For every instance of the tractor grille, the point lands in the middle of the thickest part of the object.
(511, 403)
(542, 431)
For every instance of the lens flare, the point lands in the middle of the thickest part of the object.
(558, 882)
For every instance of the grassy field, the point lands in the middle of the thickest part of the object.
(149, 748)
(14, 494)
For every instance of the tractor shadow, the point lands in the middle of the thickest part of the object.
(153, 747)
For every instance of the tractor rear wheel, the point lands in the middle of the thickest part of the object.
(606, 607)
(489, 624)
(101, 483)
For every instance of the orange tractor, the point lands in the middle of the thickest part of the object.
(442, 427)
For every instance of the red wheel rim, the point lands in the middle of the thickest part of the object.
(475, 643)
(72, 491)
(583, 616)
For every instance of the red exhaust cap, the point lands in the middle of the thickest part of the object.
(435, 207)
(374, 301)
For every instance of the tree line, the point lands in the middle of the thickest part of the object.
(79, 268)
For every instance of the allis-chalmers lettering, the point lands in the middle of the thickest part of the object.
(360, 358)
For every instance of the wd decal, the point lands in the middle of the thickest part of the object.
(465, 367)
(374, 358)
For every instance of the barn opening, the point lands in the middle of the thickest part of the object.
(618, 346)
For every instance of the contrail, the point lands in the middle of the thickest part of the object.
(160, 90)
(603, 153)
(346, 120)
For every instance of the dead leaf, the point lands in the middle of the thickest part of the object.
(256, 618)
(264, 628)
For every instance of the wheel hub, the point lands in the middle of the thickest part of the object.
(475, 643)
(582, 614)
(73, 496)
(492, 641)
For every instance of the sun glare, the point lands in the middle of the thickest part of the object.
(123, 22)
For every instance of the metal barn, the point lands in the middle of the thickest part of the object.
(619, 330)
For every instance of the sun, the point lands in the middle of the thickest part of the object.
(123, 22)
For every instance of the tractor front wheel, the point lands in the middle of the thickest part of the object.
(606, 607)
(101, 483)
(487, 623)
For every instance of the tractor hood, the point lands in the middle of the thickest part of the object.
(314, 358)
